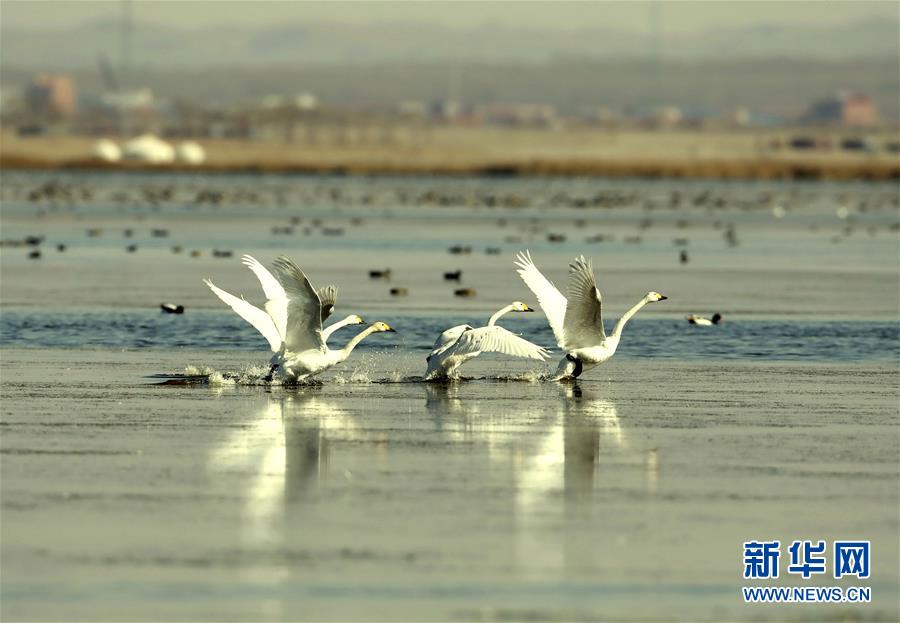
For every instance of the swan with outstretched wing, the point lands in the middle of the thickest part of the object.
(291, 318)
(577, 322)
(461, 343)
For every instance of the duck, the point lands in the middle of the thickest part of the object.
(704, 322)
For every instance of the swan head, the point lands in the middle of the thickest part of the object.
(382, 326)
(654, 297)
(519, 306)
(355, 319)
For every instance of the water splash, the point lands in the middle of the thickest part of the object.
(217, 379)
(355, 376)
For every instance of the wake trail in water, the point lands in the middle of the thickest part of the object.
(254, 376)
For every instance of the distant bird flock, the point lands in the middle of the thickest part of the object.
(292, 320)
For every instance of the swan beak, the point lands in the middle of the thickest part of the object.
(531, 309)
(391, 330)
(662, 298)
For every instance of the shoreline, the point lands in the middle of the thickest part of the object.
(494, 152)
(734, 169)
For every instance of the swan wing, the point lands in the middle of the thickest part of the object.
(549, 297)
(260, 320)
(448, 338)
(304, 308)
(495, 339)
(328, 297)
(584, 318)
(276, 299)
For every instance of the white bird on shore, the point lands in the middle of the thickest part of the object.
(459, 344)
(577, 322)
(292, 320)
(704, 322)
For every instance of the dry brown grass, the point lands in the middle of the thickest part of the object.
(492, 151)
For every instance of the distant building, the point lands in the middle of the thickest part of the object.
(149, 148)
(306, 101)
(136, 101)
(107, 151)
(190, 152)
(518, 114)
(851, 109)
(412, 108)
(272, 101)
(667, 116)
(51, 96)
(739, 117)
(446, 109)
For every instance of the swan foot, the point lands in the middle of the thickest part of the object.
(569, 369)
(442, 379)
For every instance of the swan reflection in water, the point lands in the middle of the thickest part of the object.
(564, 485)
(294, 463)
(281, 457)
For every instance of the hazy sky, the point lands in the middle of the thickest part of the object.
(674, 15)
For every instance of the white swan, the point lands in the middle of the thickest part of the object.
(459, 344)
(292, 320)
(577, 322)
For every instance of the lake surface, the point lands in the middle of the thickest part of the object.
(373, 496)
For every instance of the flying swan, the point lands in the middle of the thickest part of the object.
(577, 322)
(459, 344)
(292, 320)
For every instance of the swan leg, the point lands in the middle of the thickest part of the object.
(579, 366)
(268, 378)
(569, 369)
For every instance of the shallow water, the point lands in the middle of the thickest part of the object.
(373, 496)
(673, 338)
(625, 497)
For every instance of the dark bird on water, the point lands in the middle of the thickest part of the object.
(453, 275)
(704, 322)
(171, 308)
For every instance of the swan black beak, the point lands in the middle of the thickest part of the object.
(392, 330)
(662, 298)
(529, 309)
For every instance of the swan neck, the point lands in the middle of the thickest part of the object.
(359, 337)
(327, 331)
(499, 314)
(617, 331)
